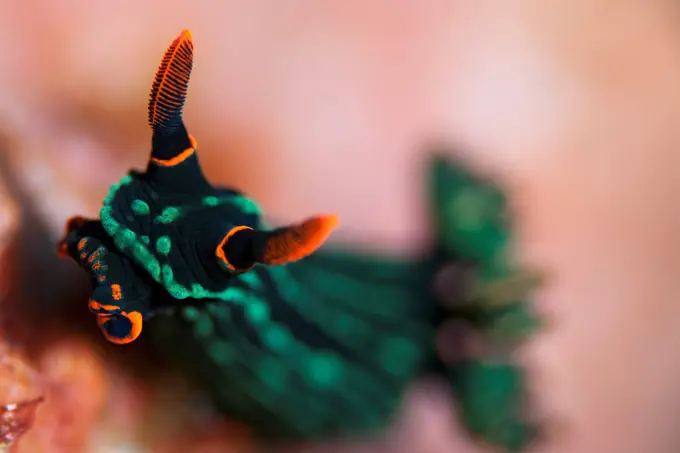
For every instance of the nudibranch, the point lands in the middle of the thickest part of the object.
(189, 236)
(296, 342)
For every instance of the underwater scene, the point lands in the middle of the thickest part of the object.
(319, 227)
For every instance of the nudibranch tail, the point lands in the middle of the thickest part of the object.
(169, 89)
(242, 247)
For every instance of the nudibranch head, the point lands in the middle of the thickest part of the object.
(188, 235)
(168, 226)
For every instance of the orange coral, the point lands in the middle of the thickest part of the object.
(20, 395)
(75, 393)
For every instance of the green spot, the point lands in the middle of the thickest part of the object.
(273, 373)
(191, 313)
(221, 352)
(169, 215)
(277, 337)
(237, 296)
(211, 201)
(219, 310)
(203, 326)
(126, 238)
(251, 280)
(197, 291)
(145, 239)
(139, 252)
(257, 311)
(324, 369)
(397, 355)
(168, 275)
(140, 207)
(177, 291)
(245, 204)
(163, 245)
(109, 224)
(153, 268)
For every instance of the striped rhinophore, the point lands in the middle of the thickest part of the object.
(169, 89)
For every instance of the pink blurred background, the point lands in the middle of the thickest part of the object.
(325, 106)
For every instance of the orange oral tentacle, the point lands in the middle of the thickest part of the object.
(299, 241)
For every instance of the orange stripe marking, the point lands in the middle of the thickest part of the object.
(178, 159)
(135, 319)
(116, 292)
(96, 306)
(219, 252)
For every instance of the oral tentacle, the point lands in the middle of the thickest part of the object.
(243, 247)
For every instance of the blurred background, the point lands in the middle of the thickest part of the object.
(316, 106)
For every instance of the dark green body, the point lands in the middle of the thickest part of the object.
(311, 349)
(327, 346)
(323, 347)
(373, 320)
